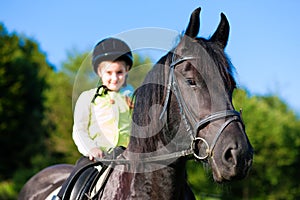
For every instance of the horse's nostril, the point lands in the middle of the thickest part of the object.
(229, 156)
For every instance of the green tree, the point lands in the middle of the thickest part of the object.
(23, 79)
(59, 114)
(23, 71)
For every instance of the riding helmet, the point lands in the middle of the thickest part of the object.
(111, 49)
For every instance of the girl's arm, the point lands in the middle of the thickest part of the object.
(81, 124)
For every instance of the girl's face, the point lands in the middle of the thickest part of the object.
(113, 74)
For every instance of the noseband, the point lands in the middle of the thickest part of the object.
(184, 111)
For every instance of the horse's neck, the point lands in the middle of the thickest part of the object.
(165, 183)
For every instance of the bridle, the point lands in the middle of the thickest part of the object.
(193, 128)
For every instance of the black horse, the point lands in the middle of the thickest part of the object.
(182, 110)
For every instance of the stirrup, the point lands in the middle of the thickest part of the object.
(55, 197)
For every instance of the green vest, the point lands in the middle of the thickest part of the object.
(111, 114)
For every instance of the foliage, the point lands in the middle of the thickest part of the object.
(23, 74)
(59, 113)
(273, 130)
(23, 81)
(7, 191)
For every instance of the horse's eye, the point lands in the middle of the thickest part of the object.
(191, 82)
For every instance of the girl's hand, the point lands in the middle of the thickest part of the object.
(95, 153)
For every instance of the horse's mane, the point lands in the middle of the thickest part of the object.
(153, 92)
(145, 113)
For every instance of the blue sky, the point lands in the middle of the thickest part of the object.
(263, 44)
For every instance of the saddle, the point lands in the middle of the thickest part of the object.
(90, 180)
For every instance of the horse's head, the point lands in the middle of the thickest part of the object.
(201, 81)
(186, 101)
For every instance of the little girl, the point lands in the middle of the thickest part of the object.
(102, 115)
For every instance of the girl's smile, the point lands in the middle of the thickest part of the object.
(113, 74)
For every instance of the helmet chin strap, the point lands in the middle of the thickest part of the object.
(101, 90)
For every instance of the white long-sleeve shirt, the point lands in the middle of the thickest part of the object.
(104, 123)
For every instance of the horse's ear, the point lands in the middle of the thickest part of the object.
(222, 32)
(194, 24)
